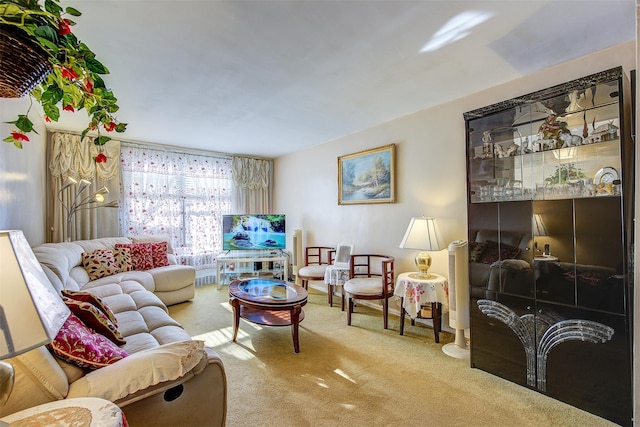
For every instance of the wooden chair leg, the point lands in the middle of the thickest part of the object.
(349, 311)
(330, 294)
(385, 313)
(342, 295)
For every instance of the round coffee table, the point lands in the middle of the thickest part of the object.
(268, 302)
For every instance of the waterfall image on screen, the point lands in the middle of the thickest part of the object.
(253, 232)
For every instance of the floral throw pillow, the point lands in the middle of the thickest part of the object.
(95, 319)
(123, 259)
(93, 300)
(79, 345)
(159, 253)
(140, 255)
(99, 263)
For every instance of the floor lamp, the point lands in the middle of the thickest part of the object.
(78, 202)
(31, 314)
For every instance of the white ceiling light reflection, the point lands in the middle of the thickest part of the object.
(457, 28)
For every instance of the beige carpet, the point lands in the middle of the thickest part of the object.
(360, 375)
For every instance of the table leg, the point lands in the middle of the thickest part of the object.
(402, 312)
(295, 321)
(437, 320)
(330, 294)
(236, 316)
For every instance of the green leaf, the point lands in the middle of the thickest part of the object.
(96, 66)
(47, 32)
(73, 12)
(24, 124)
(52, 6)
(84, 133)
(101, 140)
(121, 127)
(51, 111)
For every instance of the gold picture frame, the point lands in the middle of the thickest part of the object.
(367, 176)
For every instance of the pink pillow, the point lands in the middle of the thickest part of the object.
(140, 255)
(77, 344)
(95, 319)
(159, 254)
(99, 263)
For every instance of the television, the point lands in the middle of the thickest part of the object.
(253, 232)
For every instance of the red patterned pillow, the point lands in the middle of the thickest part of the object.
(93, 300)
(140, 255)
(99, 263)
(123, 259)
(159, 254)
(78, 344)
(494, 252)
(95, 319)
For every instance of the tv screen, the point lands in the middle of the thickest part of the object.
(253, 232)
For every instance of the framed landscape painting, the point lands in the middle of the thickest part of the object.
(367, 176)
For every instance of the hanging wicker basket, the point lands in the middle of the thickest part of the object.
(23, 65)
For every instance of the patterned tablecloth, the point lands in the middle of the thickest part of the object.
(336, 275)
(418, 292)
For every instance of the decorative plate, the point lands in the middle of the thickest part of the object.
(606, 175)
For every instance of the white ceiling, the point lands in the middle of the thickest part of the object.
(267, 78)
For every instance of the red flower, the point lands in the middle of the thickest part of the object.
(88, 86)
(68, 107)
(19, 136)
(110, 127)
(63, 27)
(47, 119)
(101, 158)
(69, 74)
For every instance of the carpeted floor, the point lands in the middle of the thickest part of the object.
(360, 375)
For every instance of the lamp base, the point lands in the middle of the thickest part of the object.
(423, 262)
(422, 276)
(6, 381)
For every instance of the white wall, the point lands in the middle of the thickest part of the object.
(430, 170)
(22, 175)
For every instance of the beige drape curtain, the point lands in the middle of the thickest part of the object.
(253, 185)
(70, 156)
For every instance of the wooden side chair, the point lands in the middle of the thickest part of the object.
(316, 260)
(371, 277)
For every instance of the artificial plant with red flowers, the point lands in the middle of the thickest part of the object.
(75, 82)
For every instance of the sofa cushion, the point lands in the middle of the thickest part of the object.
(99, 263)
(78, 344)
(140, 255)
(95, 319)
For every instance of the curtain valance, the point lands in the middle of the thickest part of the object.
(252, 174)
(74, 156)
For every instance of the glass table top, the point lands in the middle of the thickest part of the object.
(267, 289)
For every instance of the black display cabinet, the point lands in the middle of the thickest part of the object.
(550, 209)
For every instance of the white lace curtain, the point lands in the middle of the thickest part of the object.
(69, 155)
(182, 195)
(253, 185)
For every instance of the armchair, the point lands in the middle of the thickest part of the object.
(371, 277)
(316, 260)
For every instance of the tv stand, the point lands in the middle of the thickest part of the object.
(234, 265)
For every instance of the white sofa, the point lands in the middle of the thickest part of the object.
(166, 379)
(62, 262)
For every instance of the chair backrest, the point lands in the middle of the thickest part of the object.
(374, 265)
(318, 255)
(343, 253)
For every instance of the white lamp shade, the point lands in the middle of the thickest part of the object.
(423, 234)
(31, 313)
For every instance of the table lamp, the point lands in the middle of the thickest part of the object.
(31, 313)
(423, 234)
